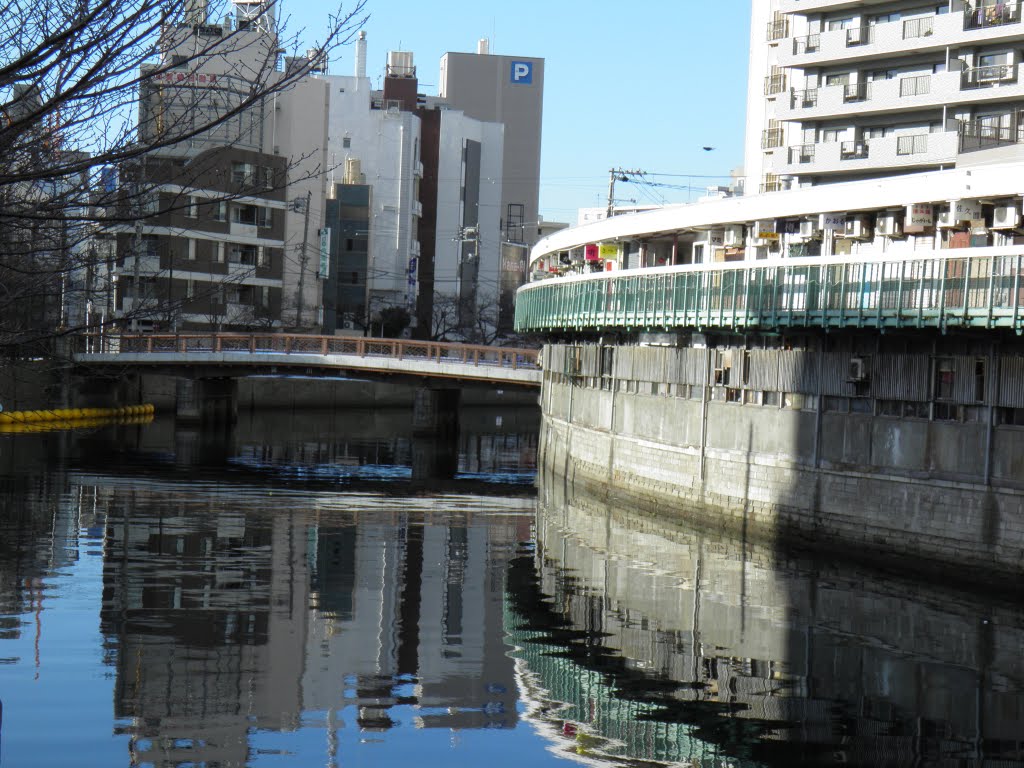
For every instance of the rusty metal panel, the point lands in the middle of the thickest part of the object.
(835, 372)
(694, 368)
(763, 373)
(622, 366)
(899, 376)
(1011, 382)
(964, 381)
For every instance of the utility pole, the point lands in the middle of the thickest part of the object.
(302, 261)
(618, 174)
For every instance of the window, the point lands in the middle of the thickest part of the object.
(355, 278)
(220, 211)
(220, 253)
(261, 256)
(834, 24)
(243, 173)
(264, 217)
(267, 177)
(841, 78)
(191, 249)
(245, 214)
(190, 289)
(831, 135)
(192, 208)
(346, 143)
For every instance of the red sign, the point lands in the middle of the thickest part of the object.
(591, 252)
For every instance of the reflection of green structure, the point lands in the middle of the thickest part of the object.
(573, 680)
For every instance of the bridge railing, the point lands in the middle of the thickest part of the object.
(975, 287)
(256, 344)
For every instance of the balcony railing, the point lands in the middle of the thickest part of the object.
(856, 92)
(774, 84)
(859, 36)
(984, 77)
(919, 85)
(984, 134)
(800, 154)
(922, 27)
(805, 99)
(771, 138)
(912, 145)
(978, 288)
(853, 150)
(806, 44)
(994, 15)
(777, 30)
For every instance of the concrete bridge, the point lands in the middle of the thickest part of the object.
(232, 355)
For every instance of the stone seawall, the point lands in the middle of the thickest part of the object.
(881, 489)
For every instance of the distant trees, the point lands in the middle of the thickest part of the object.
(91, 90)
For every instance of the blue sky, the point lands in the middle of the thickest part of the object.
(641, 85)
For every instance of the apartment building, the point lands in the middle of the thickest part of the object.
(224, 202)
(841, 90)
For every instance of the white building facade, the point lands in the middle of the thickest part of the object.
(848, 89)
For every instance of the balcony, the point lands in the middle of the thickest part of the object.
(149, 264)
(855, 92)
(771, 138)
(854, 150)
(895, 151)
(238, 229)
(905, 94)
(987, 16)
(984, 134)
(777, 30)
(802, 154)
(988, 77)
(774, 84)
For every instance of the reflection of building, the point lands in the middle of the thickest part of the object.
(791, 662)
(413, 611)
(224, 615)
(205, 606)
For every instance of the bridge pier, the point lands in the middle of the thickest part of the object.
(436, 412)
(210, 402)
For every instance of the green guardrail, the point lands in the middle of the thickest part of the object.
(972, 288)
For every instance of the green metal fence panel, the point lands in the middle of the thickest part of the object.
(938, 291)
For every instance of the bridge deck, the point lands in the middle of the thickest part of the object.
(243, 354)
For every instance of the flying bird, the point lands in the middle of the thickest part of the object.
(707, 149)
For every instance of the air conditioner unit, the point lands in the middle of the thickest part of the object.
(889, 225)
(348, 325)
(1005, 217)
(808, 229)
(857, 227)
(946, 218)
(858, 370)
(734, 237)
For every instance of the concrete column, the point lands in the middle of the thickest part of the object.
(436, 412)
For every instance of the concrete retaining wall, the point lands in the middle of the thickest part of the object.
(885, 488)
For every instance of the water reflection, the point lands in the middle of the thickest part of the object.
(221, 618)
(671, 645)
(252, 611)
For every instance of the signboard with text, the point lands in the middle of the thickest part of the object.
(834, 222)
(920, 216)
(325, 252)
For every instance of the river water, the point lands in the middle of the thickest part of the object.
(329, 589)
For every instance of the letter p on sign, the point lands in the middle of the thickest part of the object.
(522, 72)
